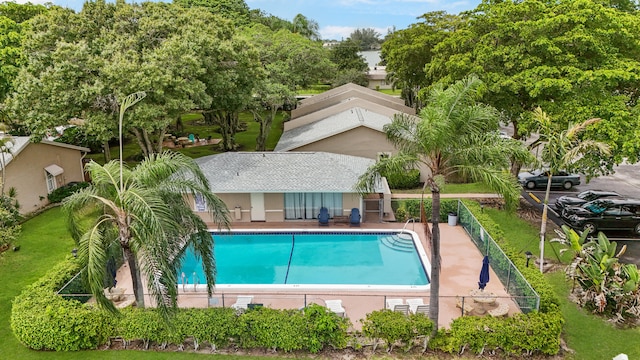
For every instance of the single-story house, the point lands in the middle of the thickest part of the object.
(346, 120)
(288, 186)
(36, 169)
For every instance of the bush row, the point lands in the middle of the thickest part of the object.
(410, 209)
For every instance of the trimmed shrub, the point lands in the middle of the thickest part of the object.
(63, 192)
(403, 180)
(42, 320)
(393, 327)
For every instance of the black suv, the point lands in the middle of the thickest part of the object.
(583, 197)
(604, 214)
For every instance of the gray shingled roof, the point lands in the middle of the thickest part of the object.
(246, 172)
(19, 143)
(330, 126)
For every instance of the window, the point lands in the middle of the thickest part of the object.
(51, 182)
(298, 206)
(51, 172)
(200, 203)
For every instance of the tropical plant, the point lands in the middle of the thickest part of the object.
(606, 285)
(563, 150)
(149, 217)
(454, 136)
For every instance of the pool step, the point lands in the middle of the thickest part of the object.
(398, 242)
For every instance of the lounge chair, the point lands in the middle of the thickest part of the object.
(354, 217)
(323, 216)
(242, 302)
(336, 307)
(414, 303)
(402, 308)
(422, 309)
(391, 303)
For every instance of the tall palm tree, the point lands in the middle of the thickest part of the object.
(560, 151)
(149, 218)
(454, 135)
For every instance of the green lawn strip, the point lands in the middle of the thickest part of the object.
(525, 237)
(590, 336)
(43, 243)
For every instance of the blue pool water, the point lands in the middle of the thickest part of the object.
(350, 258)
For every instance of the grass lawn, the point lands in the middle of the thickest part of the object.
(589, 336)
(193, 124)
(43, 243)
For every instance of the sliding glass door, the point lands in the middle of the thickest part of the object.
(307, 205)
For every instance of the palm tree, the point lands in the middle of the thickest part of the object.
(454, 135)
(149, 218)
(560, 151)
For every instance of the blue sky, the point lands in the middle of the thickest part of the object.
(338, 18)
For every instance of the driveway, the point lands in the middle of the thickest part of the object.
(625, 181)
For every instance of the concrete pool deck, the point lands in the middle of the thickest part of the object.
(461, 264)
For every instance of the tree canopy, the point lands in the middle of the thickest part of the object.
(578, 59)
(81, 65)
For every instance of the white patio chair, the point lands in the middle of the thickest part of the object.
(336, 307)
(391, 303)
(414, 303)
(242, 301)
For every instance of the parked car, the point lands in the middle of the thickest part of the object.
(604, 214)
(539, 178)
(583, 197)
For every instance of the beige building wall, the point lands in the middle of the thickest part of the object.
(239, 205)
(361, 141)
(26, 173)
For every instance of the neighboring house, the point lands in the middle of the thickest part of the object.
(36, 169)
(377, 74)
(283, 186)
(346, 120)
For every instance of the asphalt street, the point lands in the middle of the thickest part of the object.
(625, 181)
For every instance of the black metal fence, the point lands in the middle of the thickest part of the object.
(514, 282)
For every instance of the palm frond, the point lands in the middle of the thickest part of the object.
(92, 252)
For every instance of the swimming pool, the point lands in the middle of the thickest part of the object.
(286, 259)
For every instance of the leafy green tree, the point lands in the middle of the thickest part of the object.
(12, 17)
(350, 76)
(428, 142)
(306, 27)
(406, 53)
(270, 97)
(565, 150)
(272, 22)
(346, 56)
(367, 39)
(80, 64)
(149, 218)
(235, 10)
(577, 59)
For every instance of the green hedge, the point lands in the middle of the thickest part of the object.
(411, 209)
(63, 192)
(404, 180)
(42, 320)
